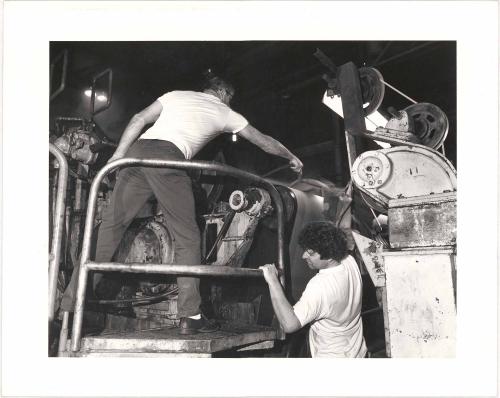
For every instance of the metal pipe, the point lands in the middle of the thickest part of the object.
(53, 199)
(175, 269)
(79, 305)
(109, 72)
(55, 251)
(62, 84)
(186, 165)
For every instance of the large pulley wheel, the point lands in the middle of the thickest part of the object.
(430, 124)
(372, 89)
(144, 242)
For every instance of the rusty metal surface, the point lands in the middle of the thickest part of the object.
(240, 250)
(371, 253)
(169, 340)
(427, 224)
(149, 242)
(420, 311)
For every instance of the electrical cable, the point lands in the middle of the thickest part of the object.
(378, 237)
(368, 205)
(136, 300)
(347, 207)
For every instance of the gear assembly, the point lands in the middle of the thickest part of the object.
(398, 211)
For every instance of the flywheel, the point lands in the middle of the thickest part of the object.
(430, 124)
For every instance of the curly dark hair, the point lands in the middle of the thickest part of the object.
(324, 238)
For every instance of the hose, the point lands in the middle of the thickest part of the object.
(135, 300)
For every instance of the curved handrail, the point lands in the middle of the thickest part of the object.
(55, 251)
(184, 165)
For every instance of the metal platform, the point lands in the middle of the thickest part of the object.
(168, 342)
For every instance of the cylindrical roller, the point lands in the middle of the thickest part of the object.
(254, 201)
(237, 201)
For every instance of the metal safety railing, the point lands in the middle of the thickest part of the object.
(87, 265)
(57, 226)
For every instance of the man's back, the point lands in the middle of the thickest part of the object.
(190, 119)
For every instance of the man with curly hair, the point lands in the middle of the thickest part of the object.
(331, 301)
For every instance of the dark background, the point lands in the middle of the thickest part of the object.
(279, 88)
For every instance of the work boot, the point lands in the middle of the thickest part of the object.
(193, 326)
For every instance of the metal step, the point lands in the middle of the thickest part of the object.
(168, 342)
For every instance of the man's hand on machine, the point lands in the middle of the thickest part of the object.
(270, 273)
(296, 165)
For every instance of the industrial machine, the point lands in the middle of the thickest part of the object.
(235, 290)
(399, 211)
(408, 191)
(129, 307)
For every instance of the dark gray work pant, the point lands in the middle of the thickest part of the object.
(172, 188)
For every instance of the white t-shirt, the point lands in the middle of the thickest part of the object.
(332, 302)
(190, 119)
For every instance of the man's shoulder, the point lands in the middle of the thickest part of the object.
(185, 96)
(314, 281)
(194, 95)
(182, 93)
(350, 261)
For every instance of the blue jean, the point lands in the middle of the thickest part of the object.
(172, 188)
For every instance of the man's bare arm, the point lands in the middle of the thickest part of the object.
(270, 145)
(134, 128)
(282, 308)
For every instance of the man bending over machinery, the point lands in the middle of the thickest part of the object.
(331, 301)
(184, 122)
